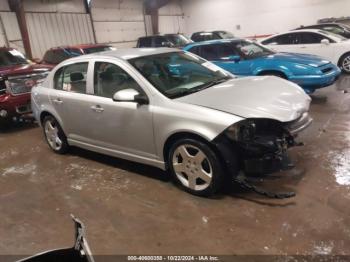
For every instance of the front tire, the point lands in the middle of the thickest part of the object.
(54, 135)
(344, 63)
(195, 167)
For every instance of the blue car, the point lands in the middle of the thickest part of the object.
(247, 58)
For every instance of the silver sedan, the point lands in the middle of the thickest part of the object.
(172, 110)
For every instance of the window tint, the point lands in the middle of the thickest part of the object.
(72, 78)
(48, 57)
(217, 52)
(159, 40)
(145, 42)
(56, 56)
(208, 52)
(310, 38)
(110, 78)
(199, 37)
(333, 29)
(287, 39)
(97, 49)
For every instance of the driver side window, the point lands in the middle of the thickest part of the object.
(110, 78)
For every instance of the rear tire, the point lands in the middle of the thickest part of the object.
(54, 135)
(195, 167)
(344, 63)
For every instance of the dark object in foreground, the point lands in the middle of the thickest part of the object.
(80, 252)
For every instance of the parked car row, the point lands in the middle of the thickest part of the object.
(198, 120)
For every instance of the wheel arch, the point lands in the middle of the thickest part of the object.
(341, 57)
(280, 72)
(181, 135)
(45, 113)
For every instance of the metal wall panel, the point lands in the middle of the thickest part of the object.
(118, 22)
(48, 30)
(10, 33)
(171, 18)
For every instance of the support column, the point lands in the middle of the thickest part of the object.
(17, 7)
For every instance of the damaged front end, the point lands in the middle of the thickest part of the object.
(261, 144)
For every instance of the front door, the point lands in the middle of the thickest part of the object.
(122, 126)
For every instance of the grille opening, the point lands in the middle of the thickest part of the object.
(326, 70)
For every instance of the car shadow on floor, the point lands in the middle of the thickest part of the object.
(235, 191)
(129, 166)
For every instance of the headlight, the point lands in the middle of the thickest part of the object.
(242, 131)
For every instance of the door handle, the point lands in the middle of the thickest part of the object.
(58, 101)
(97, 109)
(303, 47)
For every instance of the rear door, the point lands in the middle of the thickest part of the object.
(310, 43)
(70, 98)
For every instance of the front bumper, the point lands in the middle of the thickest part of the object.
(312, 82)
(15, 106)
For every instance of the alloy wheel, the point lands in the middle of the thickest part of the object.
(192, 167)
(346, 64)
(52, 136)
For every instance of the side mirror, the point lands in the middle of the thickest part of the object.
(130, 95)
(325, 42)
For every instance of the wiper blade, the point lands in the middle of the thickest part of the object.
(200, 88)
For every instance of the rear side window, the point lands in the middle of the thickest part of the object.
(110, 78)
(310, 38)
(145, 42)
(72, 78)
(48, 57)
(208, 52)
(287, 39)
(216, 52)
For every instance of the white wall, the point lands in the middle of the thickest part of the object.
(118, 22)
(171, 18)
(258, 17)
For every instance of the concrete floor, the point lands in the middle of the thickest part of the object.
(134, 209)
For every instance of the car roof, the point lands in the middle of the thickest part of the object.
(129, 53)
(323, 24)
(318, 31)
(212, 42)
(80, 46)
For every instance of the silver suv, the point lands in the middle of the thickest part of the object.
(172, 110)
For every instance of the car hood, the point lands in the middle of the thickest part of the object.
(304, 59)
(254, 97)
(24, 69)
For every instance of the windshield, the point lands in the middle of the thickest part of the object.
(178, 74)
(345, 27)
(178, 40)
(251, 50)
(97, 49)
(12, 57)
(225, 34)
(337, 37)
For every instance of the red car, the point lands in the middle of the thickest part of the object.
(56, 55)
(17, 77)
